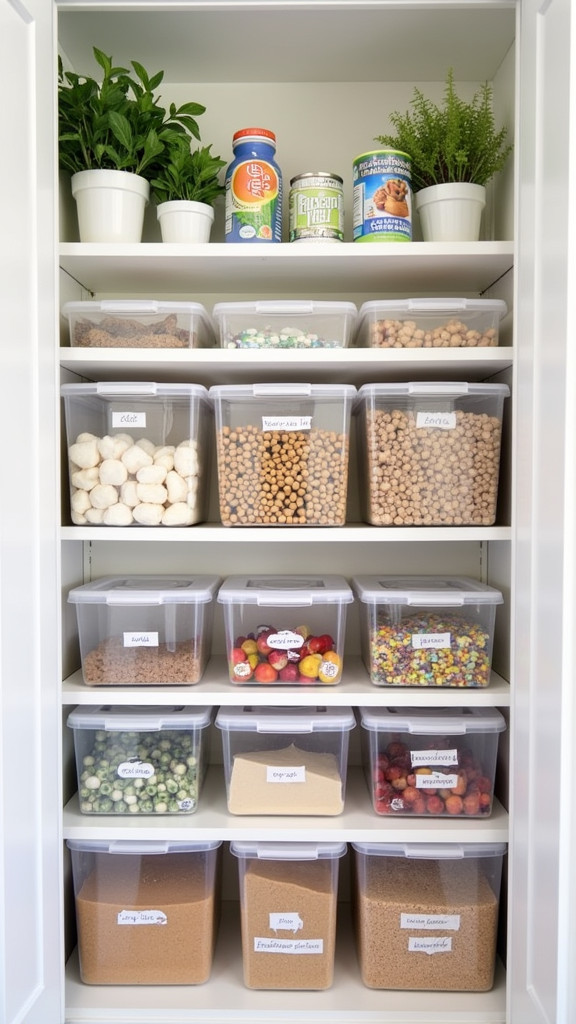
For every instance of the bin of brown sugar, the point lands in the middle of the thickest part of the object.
(288, 896)
(124, 890)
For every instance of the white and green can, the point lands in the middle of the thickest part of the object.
(316, 207)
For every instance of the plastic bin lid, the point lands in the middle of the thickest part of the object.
(146, 590)
(252, 391)
(277, 307)
(269, 591)
(147, 307)
(432, 305)
(288, 851)
(433, 389)
(134, 389)
(439, 591)
(143, 846)
(432, 721)
(285, 719)
(431, 851)
(138, 719)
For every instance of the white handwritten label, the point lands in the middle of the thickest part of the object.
(436, 641)
(441, 944)
(140, 639)
(285, 640)
(142, 917)
(135, 769)
(292, 946)
(128, 419)
(438, 420)
(290, 922)
(436, 780)
(286, 422)
(418, 758)
(447, 922)
(285, 774)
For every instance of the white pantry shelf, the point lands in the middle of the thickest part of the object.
(215, 533)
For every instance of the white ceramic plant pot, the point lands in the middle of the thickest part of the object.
(451, 212)
(110, 205)
(183, 220)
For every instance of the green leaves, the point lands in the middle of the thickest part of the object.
(187, 175)
(118, 123)
(455, 142)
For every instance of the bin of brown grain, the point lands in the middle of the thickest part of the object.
(146, 911)
(427, 915)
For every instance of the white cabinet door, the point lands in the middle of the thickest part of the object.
(30, 866)
(542, 918)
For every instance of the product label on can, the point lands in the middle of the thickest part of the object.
(253, 195)
(382, 199)
(316, 210)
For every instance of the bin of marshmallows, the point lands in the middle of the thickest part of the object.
(431, 762)
(288, 907)
(427, 914)
(426, 630)
(124, 889)
(138, 323)
(285, 629)
(429, 452)
(283, 453)
(138, 453)
(285, 760)
(139, 760)
(287, 323)
(430, 323)
(145, 630)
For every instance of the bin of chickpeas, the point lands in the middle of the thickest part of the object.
(430, 323)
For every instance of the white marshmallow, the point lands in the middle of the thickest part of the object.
(113, 471)
(103, 495)
(148, 514)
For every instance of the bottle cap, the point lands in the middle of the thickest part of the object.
(246, 133)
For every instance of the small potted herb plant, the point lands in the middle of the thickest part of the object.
(115, 130)
(185, 186)
(455, 150)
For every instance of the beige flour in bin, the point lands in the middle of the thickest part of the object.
(250, 791)
(178, 952)
(465, 956)
(302, 890)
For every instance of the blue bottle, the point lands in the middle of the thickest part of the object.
(253, 188)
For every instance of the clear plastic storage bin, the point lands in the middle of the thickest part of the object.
(138, 453)
(140, 760)
(430, 452)
(430, 323)
(124, 889)
(427, 630)
(288, 907)
(431, 762)
(283, 453)
(427, 914)
(285, 324)
(145, 630)
(138, 323)
(285, 760)
(285, 629)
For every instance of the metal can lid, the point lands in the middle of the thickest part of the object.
(261, 133)
(317, 174)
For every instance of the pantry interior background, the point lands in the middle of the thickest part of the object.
(530, 555)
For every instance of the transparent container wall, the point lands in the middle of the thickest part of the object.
(427, 924)
(383, 326)
(129, 325)
(290, 327)
(121, 897)
(115, 474)
(282, 460)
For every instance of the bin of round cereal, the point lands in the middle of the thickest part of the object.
(429, 452)
(430, 323)
(427, 630)
(138, 453)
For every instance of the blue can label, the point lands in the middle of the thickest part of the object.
(382, 197)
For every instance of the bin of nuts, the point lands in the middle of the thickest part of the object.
(430, 452)
(282, 452)
(430, 323)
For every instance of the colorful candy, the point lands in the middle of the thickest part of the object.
(284, 656)
(288, 337)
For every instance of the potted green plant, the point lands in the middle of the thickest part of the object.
(455, 150)
(185, 186)
(116, 130)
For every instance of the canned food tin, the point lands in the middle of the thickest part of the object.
(382, 197)
(316, 207)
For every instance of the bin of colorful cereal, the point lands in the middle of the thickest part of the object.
(438, 762)
(427, 914)
(427, 630)
(288, 906)
(125, 889)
